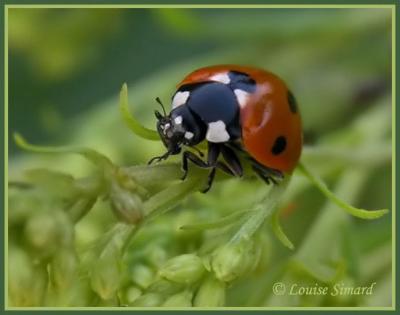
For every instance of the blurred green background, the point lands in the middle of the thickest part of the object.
(66, 67)
(64, 62)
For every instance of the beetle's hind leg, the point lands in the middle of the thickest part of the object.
(232, 160)
(267, 174)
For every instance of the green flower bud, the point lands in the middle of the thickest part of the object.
(182, 299)
(165, 287)
(142, 275)
(148, 300)
(126, 205)
(105, 275)
(47, 231)
(66, 229)
(185, 269)
(41, 233)
(234, 260)
(56, 183)
(20, 206)
(26, 282)
(64, 268)
(210, 294)
(80, 208)
(132, 294)
(156, 256)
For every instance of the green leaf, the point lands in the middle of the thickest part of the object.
(132, 123)
(263, 210)
(222, 222)
(278, 231)
(360, 213)
(211, 293)
(93, 156)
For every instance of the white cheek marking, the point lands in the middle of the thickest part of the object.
(178, 120)
(221, 77)
(216, 132)
(180, 98)
(242, 97)
(189, 135)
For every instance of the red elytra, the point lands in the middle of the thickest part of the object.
(269, 117)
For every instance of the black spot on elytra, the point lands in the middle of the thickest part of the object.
(292, 102)
(279, 145)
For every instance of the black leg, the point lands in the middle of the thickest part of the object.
(210, 180)
(213, 152)
(159, 158)
(223, 167)
(190, 156)
(231, 167)
(236, 146)
(214, 149)
(267, 174)
(232, 160)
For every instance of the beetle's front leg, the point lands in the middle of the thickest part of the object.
(190, 156)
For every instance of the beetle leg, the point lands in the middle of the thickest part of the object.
(159, 158)
(232, 160)
(210, 180)
(214, 149)
(225, 168)
(190, 156)
(267, 174)
(213, 153)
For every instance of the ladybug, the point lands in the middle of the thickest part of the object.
(237, 110)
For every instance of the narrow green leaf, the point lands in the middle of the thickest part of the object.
(278, 231)
(262, 211)
(132, 123)
(93, 156)
(168, 198)
(222, 222)
(359, 213)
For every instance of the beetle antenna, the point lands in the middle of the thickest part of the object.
(162, 106)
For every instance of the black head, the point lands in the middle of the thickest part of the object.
(171, 133)
(180, 127)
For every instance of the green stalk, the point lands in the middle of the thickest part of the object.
(263, 210)
(360, 213)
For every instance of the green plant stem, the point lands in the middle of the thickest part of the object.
(264, 209)
(164, 201)
(315, 248)
(150, 174)
(169, 197)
